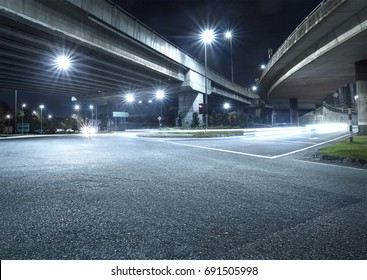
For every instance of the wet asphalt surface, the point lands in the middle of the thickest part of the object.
(122, 197)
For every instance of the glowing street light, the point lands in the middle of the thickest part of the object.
(159, 94)
(8, 118)
(91, 107)
(129, 97)
(207, 36)
(23, 106)
(41, 107)
(226, 105)
(63, 62)
(228, 36)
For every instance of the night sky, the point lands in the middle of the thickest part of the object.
(257, 26)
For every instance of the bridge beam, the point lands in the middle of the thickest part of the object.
(361, 86)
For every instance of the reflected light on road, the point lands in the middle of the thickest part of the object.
(328, 127)
(298, 130)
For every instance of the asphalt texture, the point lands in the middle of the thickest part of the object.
(126, 197)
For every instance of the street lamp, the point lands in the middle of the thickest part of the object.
(159, 94)
(23, 106)
(91, 107)
(41, 107)
(228, 36)
(207, 36)
(8, 118)
(77, 107)
(129, 98)
(63, 62)
(226, 105)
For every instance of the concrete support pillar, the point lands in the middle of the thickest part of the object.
(361, 88)
(188, 103)
(293, 106)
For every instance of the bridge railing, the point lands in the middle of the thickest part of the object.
(317, 15)
(169, 51)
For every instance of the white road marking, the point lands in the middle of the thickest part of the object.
(310, 147)
(253, 155)
(215, 149)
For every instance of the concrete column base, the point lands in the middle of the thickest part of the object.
(188, 104)
(361, 88)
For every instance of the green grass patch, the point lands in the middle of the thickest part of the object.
(356, 149)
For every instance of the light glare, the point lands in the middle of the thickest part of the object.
(328, 127)
(63, 62)
(228, 35)
(207, 36)
(88, 130)
(159, 94)
(129, 97)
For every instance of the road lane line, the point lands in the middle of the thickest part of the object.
(254, 155)
(215, 149)
(310, 147)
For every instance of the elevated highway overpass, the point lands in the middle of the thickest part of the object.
(111, 53)
(327, 50)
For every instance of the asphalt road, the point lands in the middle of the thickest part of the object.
(126, 197)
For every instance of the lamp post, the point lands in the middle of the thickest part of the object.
(23, 106)
(41, 107)
(77, 107)
(91, 107)
(50, 122)
(8, 118)
(228, 36)
(159, 94)
(129, 98)
(207, 36)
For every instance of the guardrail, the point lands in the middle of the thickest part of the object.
(172, 44)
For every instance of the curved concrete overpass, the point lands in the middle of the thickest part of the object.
(319, 56)
(112, 53)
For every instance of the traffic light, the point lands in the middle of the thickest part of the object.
(201, 108)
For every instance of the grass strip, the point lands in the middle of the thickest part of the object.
(357, 149)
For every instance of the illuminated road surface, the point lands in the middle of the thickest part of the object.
(125, 197)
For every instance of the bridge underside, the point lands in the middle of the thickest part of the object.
(311, 81)
(28, 63)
